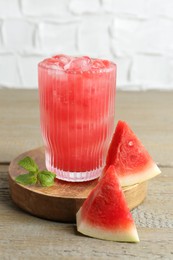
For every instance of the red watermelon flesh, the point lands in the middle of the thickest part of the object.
(132, 161)
(105, 214)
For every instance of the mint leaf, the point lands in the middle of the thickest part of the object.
(27, 179)
(46, 178)
(28, 164)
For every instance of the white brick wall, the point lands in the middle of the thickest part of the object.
(17, 34)
(155, 71)
(58, 37)
(84, 6)
(9, 73)
(44, 8)
(136, 34)
(93, 36)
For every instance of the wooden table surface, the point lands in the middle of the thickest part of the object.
(22, 236)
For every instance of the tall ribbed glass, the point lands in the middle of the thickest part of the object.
(77, 109)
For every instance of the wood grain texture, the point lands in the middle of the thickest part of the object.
(61, 201)
(23, 236)
(148, 113)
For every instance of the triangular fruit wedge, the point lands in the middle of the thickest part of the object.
(132, 161)
(105, 214)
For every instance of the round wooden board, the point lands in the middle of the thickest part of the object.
(61, 201)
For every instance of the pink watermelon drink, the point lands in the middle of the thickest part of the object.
(77, 106)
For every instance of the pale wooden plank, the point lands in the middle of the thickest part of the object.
(148, 113)
(157, 210)
(19, 122)
(26, 237)
(52, 241)
(150, 116)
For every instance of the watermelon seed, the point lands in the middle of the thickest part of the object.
(130, 143)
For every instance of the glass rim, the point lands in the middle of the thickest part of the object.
(112, 66)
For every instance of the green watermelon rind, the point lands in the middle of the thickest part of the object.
(148, 173)
(127, 235)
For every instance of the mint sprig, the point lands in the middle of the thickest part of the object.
(27, 179)
(46, 178)
(34, 176)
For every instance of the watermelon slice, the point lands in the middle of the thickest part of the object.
(105, 214)
(132, 161)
